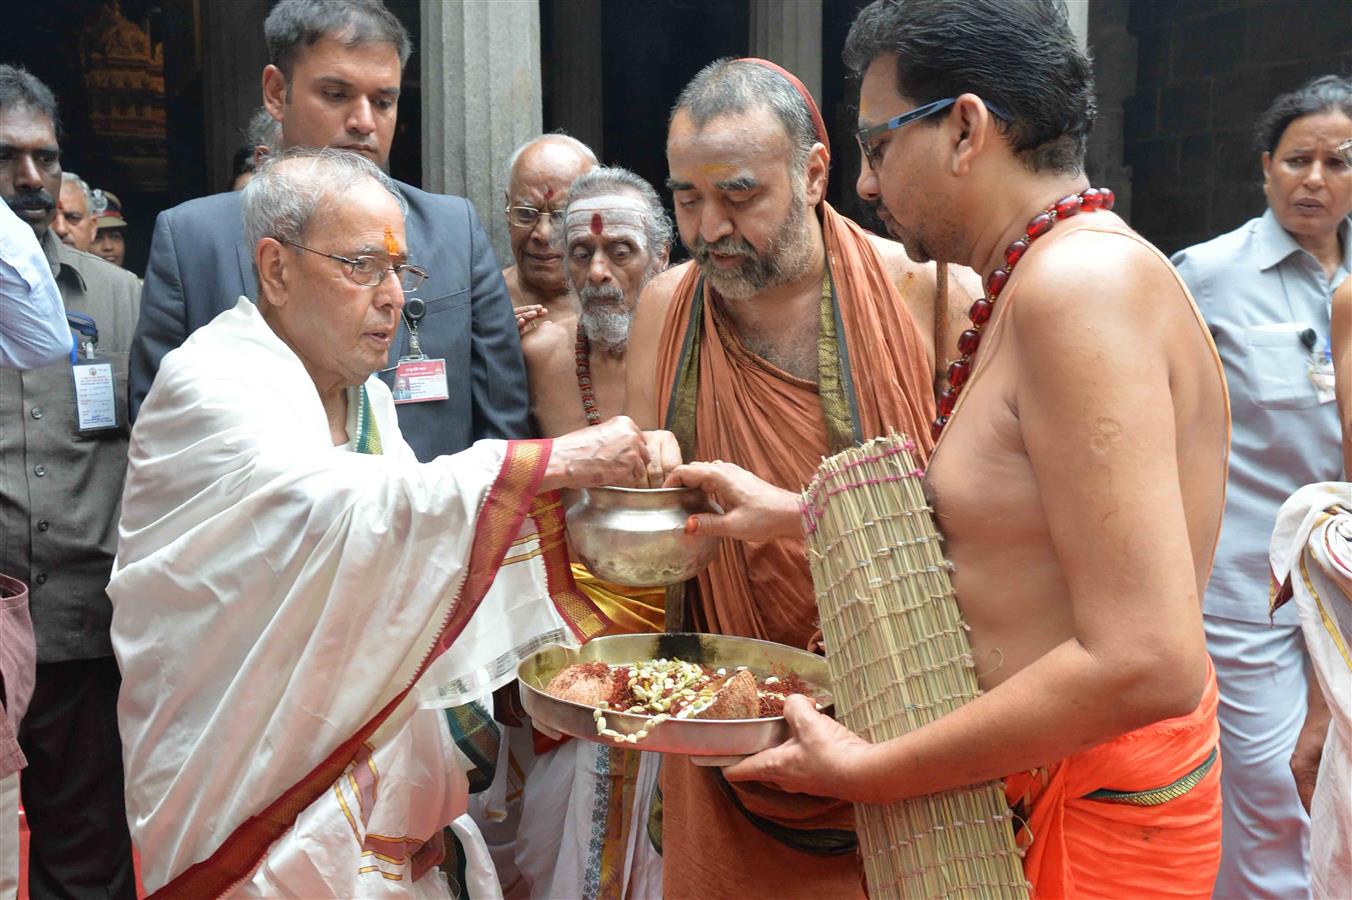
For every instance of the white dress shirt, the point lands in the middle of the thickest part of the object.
(33, 329)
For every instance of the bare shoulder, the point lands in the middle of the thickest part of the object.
(550, 340)
(905, 273)
(644, 337)
(659, 291)
(1340, 339)
(912, 277)
(1342, 296)
(653, 304)
(915, 282)
(1090, 285)
(509, 277)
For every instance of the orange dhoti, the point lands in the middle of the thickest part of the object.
(724, 402)
(1139, 816)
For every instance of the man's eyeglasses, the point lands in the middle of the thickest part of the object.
(528, 216)
(1345, 150)
(370, 271)
(866, 136)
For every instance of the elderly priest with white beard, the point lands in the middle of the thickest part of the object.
(296, 597)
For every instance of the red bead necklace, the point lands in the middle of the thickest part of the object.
(980, 313)
(582, 355)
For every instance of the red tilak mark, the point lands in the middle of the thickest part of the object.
(549, 192)
(596, 223)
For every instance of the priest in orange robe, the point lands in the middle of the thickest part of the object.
(1078, 475)
(791, 335)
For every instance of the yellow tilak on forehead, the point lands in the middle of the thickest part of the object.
(712, 169)
(865, 117)
(391, 245)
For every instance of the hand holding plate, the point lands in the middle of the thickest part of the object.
(822, 758)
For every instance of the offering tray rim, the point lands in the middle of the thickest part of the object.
(691, 737)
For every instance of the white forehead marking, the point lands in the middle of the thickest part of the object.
(621, 216)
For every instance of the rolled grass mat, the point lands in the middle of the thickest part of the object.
(899, 657)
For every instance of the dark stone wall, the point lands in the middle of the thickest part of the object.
(1205, 71)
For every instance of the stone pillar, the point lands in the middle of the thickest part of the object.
(1078, 12)
(575, 80)
(481, 99)
(1115, 61)
(233, 57)
(789, 32)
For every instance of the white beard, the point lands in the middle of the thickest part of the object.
(607, 327)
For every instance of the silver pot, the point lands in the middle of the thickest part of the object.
(636, 536)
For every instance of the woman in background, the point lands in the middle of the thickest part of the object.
(1265, 290)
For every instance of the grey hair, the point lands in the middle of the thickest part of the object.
(294, 24)
(20, 87)
(263, 131)
(605, 180)
(72, 178)
(279, 203)
(556, 137)
(729, 86)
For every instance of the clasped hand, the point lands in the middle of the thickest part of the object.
(753, 510)
(615, 453)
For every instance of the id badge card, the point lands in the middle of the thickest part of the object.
(95, 396)
(1321, 376)
(420, 381)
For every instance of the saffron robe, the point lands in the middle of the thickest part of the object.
(289, 617)
(765, 420)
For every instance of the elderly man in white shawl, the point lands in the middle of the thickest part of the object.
(295, 595)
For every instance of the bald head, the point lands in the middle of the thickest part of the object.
(75, 222)
(541, 171)
(558, 146)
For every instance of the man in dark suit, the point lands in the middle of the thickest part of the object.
(333, 80)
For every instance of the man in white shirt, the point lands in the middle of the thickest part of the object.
(33, 334)
(33, 330)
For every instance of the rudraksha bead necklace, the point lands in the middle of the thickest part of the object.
(980, 313)
(582, 356)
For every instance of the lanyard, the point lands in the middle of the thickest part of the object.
(414, 310)
(88, 331)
